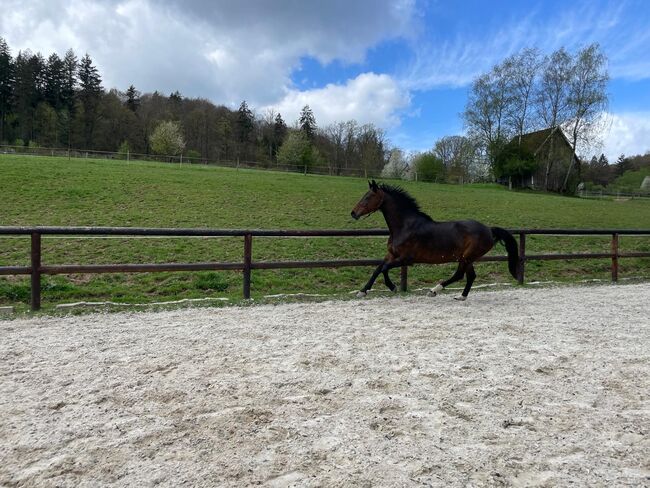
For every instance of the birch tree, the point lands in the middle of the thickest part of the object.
(587, 99)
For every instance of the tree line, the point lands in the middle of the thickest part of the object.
(60, 102)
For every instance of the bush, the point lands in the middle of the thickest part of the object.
(429, 167)
(192, 154)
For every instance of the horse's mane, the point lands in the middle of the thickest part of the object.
(403, 199)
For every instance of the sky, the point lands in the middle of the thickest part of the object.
(403, 65)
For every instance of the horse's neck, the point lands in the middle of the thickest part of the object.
(394, 218)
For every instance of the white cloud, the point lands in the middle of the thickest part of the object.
(223, 50)
(622, 33)
(368, 98)
(628, 133)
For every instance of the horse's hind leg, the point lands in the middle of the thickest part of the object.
(460, 272)
(471, 276)
(391, 286)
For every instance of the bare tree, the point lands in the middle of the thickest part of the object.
(587, 98)
(457, 154)
(522, 70)
(485, 112)
(552, 100)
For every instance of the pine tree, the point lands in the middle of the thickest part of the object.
(7, 81)
(90, 92)
(132, 99)
(54, 81)
(308, 123)
(279, 130)
(244, 128)
(28, 91)
(70, 68)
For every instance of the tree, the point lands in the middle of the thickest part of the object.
(552, 98)
(514, 161)
(457, 153)
(307, 123)
(485, 112)
(167, 139)
(428, 167)
(521, 71)
(296, 150)
(28, 91)
(7, 81)
(244, 128)
(54, 79)
(279, 130)
(132, 99)
(397, 165)
(68, 97)
(89, 94)
(587, 98)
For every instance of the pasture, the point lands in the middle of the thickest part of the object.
(57, 191)
(522, 387)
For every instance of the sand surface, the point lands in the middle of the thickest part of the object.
(524, 387)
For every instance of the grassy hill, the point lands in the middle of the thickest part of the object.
(57, 191)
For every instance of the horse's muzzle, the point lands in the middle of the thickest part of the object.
(354, 215)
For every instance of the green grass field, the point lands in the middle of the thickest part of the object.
(57, 191)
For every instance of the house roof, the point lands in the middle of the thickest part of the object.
(534, 141)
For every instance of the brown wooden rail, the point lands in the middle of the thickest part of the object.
(37, 268)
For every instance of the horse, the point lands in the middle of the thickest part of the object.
(417, 238)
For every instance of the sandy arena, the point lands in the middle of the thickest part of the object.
(524, 387)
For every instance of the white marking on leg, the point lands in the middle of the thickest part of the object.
(435, 290)
(361, 294)
(460, 298)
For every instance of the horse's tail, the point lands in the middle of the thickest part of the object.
(511, 246)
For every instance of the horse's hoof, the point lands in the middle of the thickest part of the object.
(394, 290)
(435, 290)
(361, 294)
(460, 298)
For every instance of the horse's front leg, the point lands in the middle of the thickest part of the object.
(389, 263)
(364, 291)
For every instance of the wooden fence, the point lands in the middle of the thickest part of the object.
(37, 268)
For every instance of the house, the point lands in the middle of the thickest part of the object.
(553, 154)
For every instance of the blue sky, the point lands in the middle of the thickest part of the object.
(404, 65)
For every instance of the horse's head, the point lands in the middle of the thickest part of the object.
(370, 202)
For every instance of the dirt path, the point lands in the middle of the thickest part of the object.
(525, 387)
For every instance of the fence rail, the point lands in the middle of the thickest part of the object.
(37, 268)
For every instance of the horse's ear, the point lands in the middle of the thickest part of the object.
(373, 185)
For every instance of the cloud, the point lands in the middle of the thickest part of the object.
(628, 133)
(620, 28)
(223, 50)
(368, 98)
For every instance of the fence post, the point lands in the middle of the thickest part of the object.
(614, 257)
(248, 258)
(522, 258)
(403, 278)
(36, 271)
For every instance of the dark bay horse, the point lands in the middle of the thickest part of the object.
(417, 238)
